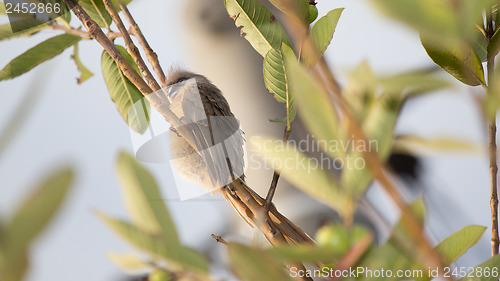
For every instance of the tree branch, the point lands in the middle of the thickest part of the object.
(492, 144)
(69, 30)
(150, 54)
(276, 177)
(131, 48)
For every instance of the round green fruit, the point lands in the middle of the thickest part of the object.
(334, 236)
(313, 13)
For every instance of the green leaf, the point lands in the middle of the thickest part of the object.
(258, 25)
(143, 199)
(359, 91)
(84, 72)
(293, 9)
(386, 257)
(318, 113)
(97, 11)
(459, 242)
(128, 262)
(494, 45)
(304, 173)
(492, 266)
(118, 2)
(322, 31)
(27, 27)
(478, 43)
(440, 20)
(428, 16)
(412, 83)
(65, 12)
(36, 212)
(129, 101)
(16, 121)
(459, 60)
(306, 253)
(253, 264)
(38, 54)
(276, 82)
(172, 252)
(492, 101)
(13, 268)
(419, 145)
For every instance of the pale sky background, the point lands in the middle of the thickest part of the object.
(79, 125)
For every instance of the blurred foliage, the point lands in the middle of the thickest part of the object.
(19, 232)
(152, 229)
(452, 33)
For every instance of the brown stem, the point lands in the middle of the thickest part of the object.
(276, 228)
(492, 132)
(150, 54)
(493, 179)
(131, 48)
(276, 177)
(219, 239)
(113, 35)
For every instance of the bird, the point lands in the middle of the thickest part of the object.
(215, 156)
(218, 156)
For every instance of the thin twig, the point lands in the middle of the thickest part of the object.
(113, 35)
(494, 193)
(492, 132)
(276, 177)
(68, 30)
(131, 48)
(219, 239)
(150, 54)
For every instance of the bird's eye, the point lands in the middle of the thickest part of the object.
(181, 79)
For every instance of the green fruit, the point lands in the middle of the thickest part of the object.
(334, 236)
(313, 13)
(159, 275)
